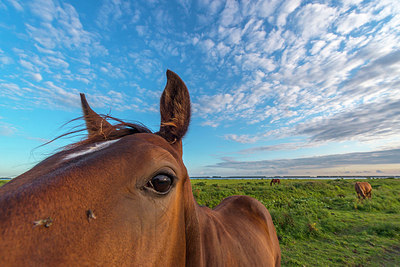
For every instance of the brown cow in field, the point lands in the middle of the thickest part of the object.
(363, 189)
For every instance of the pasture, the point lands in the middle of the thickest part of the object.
(321, 222)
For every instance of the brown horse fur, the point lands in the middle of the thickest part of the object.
(363, 189)
(274, 181)
(98, 208)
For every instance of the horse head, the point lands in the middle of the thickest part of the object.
(118, 196)
(123, 197)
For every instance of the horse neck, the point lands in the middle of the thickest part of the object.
(194, 249)
(218, 237)
(201, 231)
(203, 237)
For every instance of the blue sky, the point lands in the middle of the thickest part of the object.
(278, 87)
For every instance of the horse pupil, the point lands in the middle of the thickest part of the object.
(161, 183)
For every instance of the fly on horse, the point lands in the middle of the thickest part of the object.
(122, 197)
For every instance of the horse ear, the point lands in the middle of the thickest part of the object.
(174, 109)
(95, 124)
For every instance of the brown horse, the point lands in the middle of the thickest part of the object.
(123, 197)
(274, 181)
(363, 189)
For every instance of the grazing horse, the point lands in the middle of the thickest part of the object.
(122, 197)
(363, 189)
(274, 181)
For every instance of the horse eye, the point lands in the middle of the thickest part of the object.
(161, 183)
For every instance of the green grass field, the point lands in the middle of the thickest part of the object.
(321, 222)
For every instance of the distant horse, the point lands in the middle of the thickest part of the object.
(122, 197)
(363, 189)
(274, 181)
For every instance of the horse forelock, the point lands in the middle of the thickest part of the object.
(114, 132)
(89, 144)
(117, 131)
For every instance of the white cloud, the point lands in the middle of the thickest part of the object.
(57, 62)
(37, 77)
(147, 63)
(317, 46)
(116, 96)
(45, 9)
(285, 10)
(10, 90)
(278, 147)
(252, 61)
(26, 64)
(315, 19)
(272, 66)
(161, 17)
(210, 123)
(5, 60)
(244, 139)
(321, 74)
(185, 4)
(368, 122)
(207, 44)
(347, 3)
(214, 6)
(213, 104)
(61, 28)
(234, 36)
(113, 11)
(230, 15)
(7, 129)
(264, 9)
(46, 51)
(274, 42)
(16, 4)
(255, 38)
(352, 21)
(112, 71)
(141, 30)
(222, 49)
(195, 40)
(317, 163)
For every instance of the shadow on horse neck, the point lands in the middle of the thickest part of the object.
(123, 197)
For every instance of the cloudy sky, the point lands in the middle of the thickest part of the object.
(278, 87)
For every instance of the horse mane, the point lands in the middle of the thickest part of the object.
(117, 131)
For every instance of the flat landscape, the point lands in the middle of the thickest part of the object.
(322, 222)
